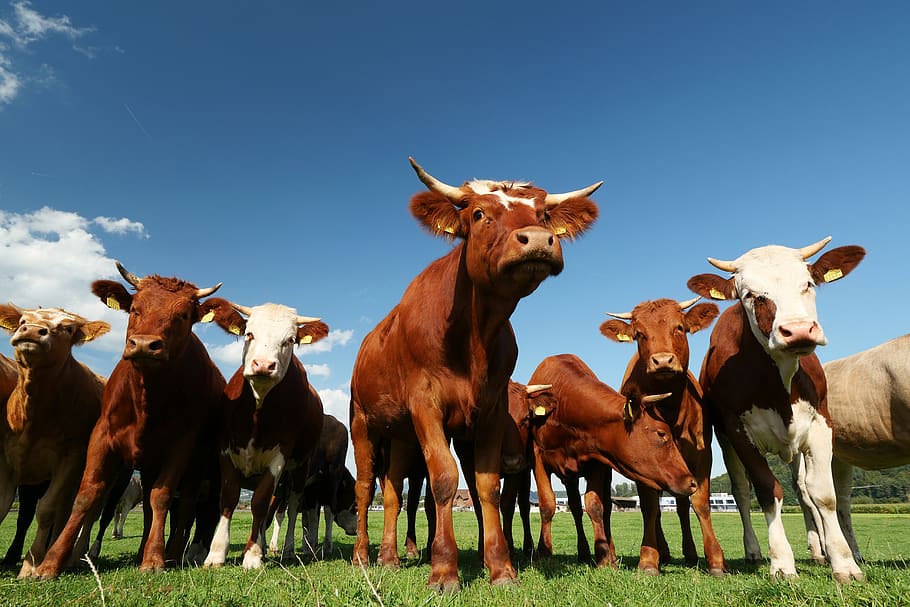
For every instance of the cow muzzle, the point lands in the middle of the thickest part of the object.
(801, 337)
(533, 253)
(145, 348)
(664, 365)
(513, 464)
(30, 337)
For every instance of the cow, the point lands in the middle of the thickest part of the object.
(49, 415)
(438, 365)
(161, 399)
(325, 484)
(272, 415)
(869, 405)
(660, 364)
(583, 427)
(765, 389)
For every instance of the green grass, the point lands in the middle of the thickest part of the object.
(560, 581)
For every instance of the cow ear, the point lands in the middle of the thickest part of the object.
(224, 315)
(312, 332)
(438, 215)
(617, 330)
(630, 411)
(9, 317)
(836, 263)
(701, 316)
(112, 294)
(90, 331)
(540, 406)
(572, 218)
(712, 286)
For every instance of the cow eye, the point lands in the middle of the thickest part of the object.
(662, 434)
(680, 328)
(248, 336)
(478, 215)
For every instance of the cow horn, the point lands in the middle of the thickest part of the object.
(302, 320)
(653, 398)
(555, 199)
(242, 309)
(208, 291)
(534, 388)
(620, 315)
(685, 304)
(726, 266)
(812, 249)
(452, 193)
(127, 275)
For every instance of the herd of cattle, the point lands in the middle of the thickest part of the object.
(433, 375)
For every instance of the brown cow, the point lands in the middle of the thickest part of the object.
(661, 365)
(159, 398)
(766, 391)
(49, 415)
(583, 427)
(438, 366)
(272, 415)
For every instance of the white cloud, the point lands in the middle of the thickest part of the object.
(9, 82)
(338, 337)
(226, 356)
(121, 226)
(318, 370)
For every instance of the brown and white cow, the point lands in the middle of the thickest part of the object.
(438, 366)
(159, 398)
(869, 406)
(660, 365)
(49, 415)
(582, 427)
(766, 391)
(272, 415)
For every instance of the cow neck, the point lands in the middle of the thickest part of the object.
(36, 386)
(292, 377)
(786, 365)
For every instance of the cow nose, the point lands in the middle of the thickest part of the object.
(264, 367)
(663, 360)
(801, 332)
(30, 332)
(535, 238)
(144, 346)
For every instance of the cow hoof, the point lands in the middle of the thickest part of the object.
(28, 571)
(504, 578)
(780, 574)
(151, 567)
(445, 586)
(649, 571)
(845, 577)
(212, 564)
(717, 572)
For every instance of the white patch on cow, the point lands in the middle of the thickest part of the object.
(220, 542)
(252, 558)
(271, 334)
(483, 186)
(51, 316)
(251, 461)
(767, 431)
(782, 562)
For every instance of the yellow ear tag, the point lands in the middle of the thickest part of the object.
(559, 231)
(112, 303)
(540, 411)
(833, 274)
(623, 337)
(7, 325)
(234, 329)
(716, 294)
(307, 339)
(628, 409)
(449, 230)
(209, 316)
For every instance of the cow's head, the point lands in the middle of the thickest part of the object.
(270, 333)
(162, 313)
(346, 516)
(661, 328)
(777, 290)
(516, 439)
(512, 229)
(44, 337)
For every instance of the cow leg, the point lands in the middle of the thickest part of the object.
(259, 507)
(690, 554)
(739, 486)
(328, 545)
(415, 484)
(56, 500)
(393, 484)
(28, 503)
(465, 452)
(278, 518)
(649, 555)
(574, 498)
(547, 502)
(843, 487)
(510, 488)
(820, 486)
(364, 454)
(597, 503)
(524, 511)
(113, 509)
(701, 505)
(294, 501)
(230, 495)
(811, 515)
(311, 536)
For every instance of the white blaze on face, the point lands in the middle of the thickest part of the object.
(482, 186)
(780, 276)
(271, 334)
(39, 331)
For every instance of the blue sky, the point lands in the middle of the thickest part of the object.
(265, 145)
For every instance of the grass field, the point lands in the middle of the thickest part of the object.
(560, 581)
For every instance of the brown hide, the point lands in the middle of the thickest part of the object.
(437, 367)
(660, 365)
(156, 403)
(588, 426)
(50, 414)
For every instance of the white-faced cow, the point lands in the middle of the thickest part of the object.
(869, 406)
(438, 366)
(272, 416)
(765, 388)
(159, 399)
(660, 365)
(49, 415)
